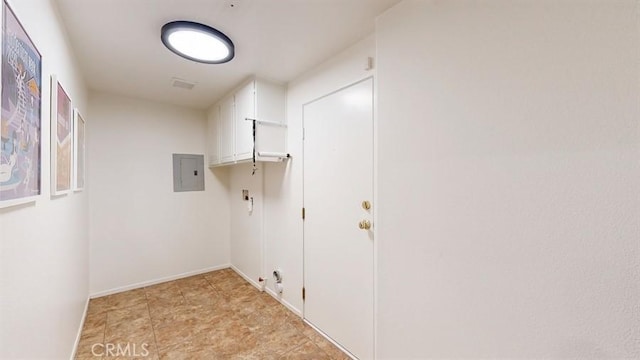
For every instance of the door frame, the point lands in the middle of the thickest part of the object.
(374, 207)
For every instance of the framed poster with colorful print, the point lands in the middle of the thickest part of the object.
(61, 139)
(20, 118)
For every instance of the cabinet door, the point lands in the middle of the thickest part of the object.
(245, 108)
(270, 100)
(213, 141)
(225, 126)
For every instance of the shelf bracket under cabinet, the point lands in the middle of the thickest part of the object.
(269, 137)
(267, 123)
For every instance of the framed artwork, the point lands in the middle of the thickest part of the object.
(61, 139)
(20, 117)
(78, 151)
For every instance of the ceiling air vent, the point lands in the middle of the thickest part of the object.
(182, 84)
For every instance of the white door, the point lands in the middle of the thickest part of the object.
(338, 254)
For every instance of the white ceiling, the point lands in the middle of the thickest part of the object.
(119, 49)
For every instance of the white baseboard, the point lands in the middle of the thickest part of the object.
(77, 342)
(268, 291)
(284, 302)
(330, 340)
(157, 281)
(247, 278)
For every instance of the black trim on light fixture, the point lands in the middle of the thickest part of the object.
(173, 26)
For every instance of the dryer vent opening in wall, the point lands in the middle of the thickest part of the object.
(188, 172)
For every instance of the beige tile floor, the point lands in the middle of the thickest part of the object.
(217, 315)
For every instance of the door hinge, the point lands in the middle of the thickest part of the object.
(303, 131)
(303, 213)
(303, 294)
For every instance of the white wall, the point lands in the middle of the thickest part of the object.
(141, 231)
(246, 227)
(44, 258)
(509, 181)
(283, 182)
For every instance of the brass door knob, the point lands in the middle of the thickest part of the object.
(364, 225)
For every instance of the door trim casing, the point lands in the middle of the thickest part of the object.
(374, 207)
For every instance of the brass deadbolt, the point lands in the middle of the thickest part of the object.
(366, 205)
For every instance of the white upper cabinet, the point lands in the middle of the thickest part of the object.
(213, 139)
(226, 130)
(261, 102)
(245, 109)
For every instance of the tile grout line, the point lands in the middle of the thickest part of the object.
(244, 311)
(316, 344)
(153, 328)
(104, 331)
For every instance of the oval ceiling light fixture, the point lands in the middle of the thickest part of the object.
(197, 42)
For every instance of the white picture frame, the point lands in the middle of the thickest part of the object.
(79, 150)
(20, 125)
(61, 140)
